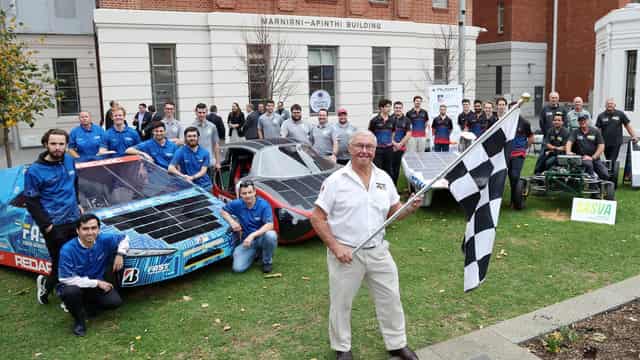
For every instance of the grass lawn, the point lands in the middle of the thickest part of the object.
(546, 259)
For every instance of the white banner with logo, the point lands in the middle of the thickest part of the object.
(595, 211)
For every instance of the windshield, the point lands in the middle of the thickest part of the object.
(118, 183)
(292, 160)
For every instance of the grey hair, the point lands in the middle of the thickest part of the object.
(366, 133)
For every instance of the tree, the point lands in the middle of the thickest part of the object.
(24, 92)
(268, 59)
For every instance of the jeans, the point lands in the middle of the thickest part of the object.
(54, 240)
(441, 147)
(396, 163)
(87, 301)
(384, 159)
(243, 257)
(545, 161)
(597, 167)
(515, 168)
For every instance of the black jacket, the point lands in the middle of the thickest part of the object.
(217, 121)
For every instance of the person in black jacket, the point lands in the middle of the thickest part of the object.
(141, 120)
(548, 112)
(236, 121)
(554, 144)
(214, 118)
(250, 129)
(610, 123)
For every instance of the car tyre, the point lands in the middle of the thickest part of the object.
(520, 191)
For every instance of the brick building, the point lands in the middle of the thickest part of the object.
(207, 51)
(515, 53)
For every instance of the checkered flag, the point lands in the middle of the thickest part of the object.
(477, 183)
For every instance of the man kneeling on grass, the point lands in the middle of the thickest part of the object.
(255, 225)
(83, 264)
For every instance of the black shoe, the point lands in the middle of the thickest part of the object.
(344, 355)
(405, 354)
(266, 268)
(79, 328)
(42, 295)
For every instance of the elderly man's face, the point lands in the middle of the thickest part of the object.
(554, 98)
(611, 105)
(362, 149)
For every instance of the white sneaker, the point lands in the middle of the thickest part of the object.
(41, 294)
(64, 307)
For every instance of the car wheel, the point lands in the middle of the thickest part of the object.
(520, 194)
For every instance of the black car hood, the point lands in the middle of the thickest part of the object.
(299, 192)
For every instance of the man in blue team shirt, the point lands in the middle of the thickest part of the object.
(442, 127)
(120, 137)
(255, 223)
(158, 149)
(83, 263)
(51, 191)
(383, 126)
(192, 160)
(419, 123)
(401, 135)
(85, 140)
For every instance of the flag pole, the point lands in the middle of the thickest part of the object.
(525, 97)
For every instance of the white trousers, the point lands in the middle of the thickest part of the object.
(377, 267)
(417, 144)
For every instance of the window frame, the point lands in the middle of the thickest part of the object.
(631, 74)
(75, 87)
(439, 4)
(265, 51)
(441, 54)
(499, 78)
(172, 67)
(500, 17)
(322, 81)
(385, 65)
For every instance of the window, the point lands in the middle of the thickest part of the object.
(500, 16)
(440, 66)
(163, 75)
(440, 4)
(322, 73)
(257, 60)
(379, 66)
(630, 89)
(499, 80)
(65, 72)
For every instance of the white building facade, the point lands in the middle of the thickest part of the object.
(151, 56)
(617, 61)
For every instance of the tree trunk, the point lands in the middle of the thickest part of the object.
(7, 146)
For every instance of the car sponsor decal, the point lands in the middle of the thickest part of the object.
(130, 276)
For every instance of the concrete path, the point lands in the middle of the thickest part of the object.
(501, 341)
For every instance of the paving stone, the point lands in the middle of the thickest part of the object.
(481, 344)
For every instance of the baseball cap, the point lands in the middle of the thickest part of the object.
(342, 111)
(583, 117)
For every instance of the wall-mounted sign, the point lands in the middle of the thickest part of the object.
(316, 23)
(319, 99)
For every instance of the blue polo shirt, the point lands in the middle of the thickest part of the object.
(120, 141)
(191, 162)
(76, 260)
(86, 142)
(250, 219)
(161, 154)
(383, 130)
(54, 184)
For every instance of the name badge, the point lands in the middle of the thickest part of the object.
(580, 137)
(591, 137)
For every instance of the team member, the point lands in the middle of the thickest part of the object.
(419, 123)
(442, 127)
(354, 201)
(120, 137)
(269, 123)
(401, 136)
(255, 223)
(216, 120)
(578, 111)
(555, 142)
(588, 142)
(85, 140)
(477, 107)
(51, 191)
(235, 120)
(250, 128)
(382, 127)
(486, 119)
(158, 149)
(295, 128)
(208, 134)
(466, 115)
(83, 263)
(173, 126)
(192, 160)
(142, 119)
(108, 117)
(610, 123)
(519, 145)
(549, 110)
(342, 132)
(322, 136)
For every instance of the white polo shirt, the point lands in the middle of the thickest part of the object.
(353, 212)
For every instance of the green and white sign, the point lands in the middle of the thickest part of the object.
(596, 211)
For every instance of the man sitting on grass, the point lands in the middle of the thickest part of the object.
(83, 264)
(255, 225)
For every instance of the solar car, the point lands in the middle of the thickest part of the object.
(286, 173)
(174, 227)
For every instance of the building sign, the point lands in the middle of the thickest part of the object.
(318, 23)
(596, 211)
(319, 99)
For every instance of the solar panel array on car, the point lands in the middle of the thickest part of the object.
(300, 192)
(171, 222)
(429, 164)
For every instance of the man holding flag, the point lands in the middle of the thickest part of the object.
(361, 196)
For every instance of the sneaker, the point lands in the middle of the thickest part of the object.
(42, 294)
(79, 328)
(64, 307)
(266, 268)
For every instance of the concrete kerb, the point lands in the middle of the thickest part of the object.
(501, 341)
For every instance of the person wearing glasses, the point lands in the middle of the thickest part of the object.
(354, 202)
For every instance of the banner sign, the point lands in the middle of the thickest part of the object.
(595, 211)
